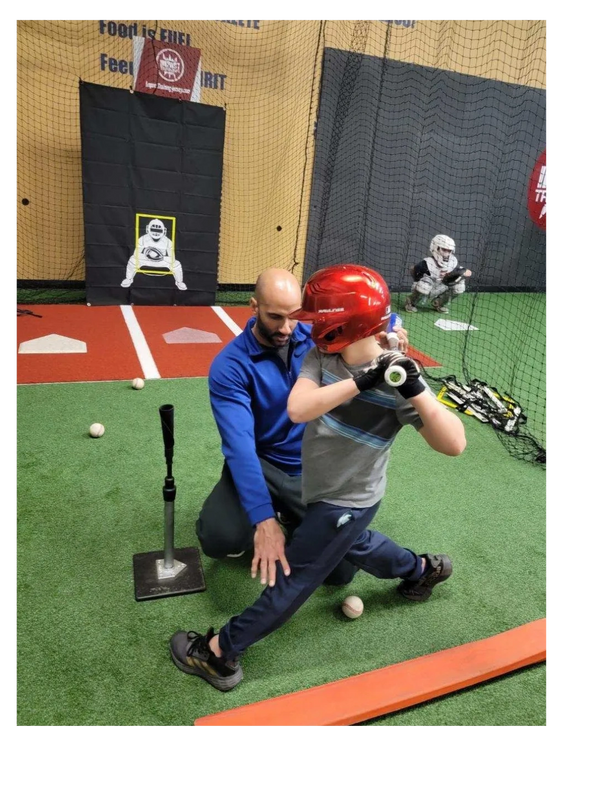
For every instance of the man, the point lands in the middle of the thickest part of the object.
(353, 418)
(437, 277)
(249, 383)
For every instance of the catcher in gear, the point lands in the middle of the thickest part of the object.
(438, 277)
(154, 254)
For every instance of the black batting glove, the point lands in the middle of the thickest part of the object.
(373, 376)
(413, 385)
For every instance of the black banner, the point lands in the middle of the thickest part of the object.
(152, 171)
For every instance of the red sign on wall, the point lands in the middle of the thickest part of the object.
(536, 195)
(165, 69)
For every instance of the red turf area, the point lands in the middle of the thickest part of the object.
(111, 354)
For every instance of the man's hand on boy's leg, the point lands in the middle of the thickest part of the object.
(269, 548)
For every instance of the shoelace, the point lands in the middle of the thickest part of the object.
(198, 643)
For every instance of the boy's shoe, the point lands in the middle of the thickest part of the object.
(438, 569)
(441, 309)
(191, 653)
(408, 306)
(236, 555)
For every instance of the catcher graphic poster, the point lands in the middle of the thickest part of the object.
(154, 252)
(152, 174)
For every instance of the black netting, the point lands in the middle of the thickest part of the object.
(345, 141)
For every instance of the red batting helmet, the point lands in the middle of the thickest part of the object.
(345, 303)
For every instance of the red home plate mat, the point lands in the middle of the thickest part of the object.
(110, 343)
(110, 354)
(119, 342)
(183, 340)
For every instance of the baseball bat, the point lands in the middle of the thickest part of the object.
(395, 375)
(167, 419)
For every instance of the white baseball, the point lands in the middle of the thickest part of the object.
(96, 430)
(137, 383)
(352, 606)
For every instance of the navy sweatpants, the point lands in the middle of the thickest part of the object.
(223, 526)
(326, 535)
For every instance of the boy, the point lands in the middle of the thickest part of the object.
(353, 417)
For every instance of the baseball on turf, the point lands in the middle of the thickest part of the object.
(352, 606)
(96, 430)
(137, 383)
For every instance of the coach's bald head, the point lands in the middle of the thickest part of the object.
(277, 286)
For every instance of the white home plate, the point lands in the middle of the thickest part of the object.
(190, 336)
(53, 343)
(453, 325)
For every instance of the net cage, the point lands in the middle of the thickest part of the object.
(345, 142)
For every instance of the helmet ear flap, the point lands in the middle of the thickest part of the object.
(333, 334)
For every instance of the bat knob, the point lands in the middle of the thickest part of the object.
(395, 376)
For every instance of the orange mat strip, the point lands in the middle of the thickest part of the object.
(382, 691)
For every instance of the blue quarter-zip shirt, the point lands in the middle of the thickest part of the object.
(249, 388)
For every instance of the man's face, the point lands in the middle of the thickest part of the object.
(273, 326)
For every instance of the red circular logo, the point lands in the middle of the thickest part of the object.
(536, 194)
(170, 65)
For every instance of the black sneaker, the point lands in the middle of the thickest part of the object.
(438, 569)
(191, 653)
